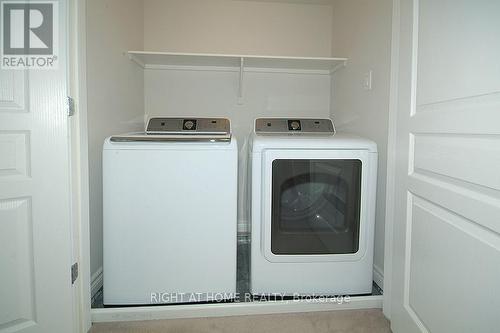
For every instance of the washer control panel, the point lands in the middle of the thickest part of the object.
(293, 126)
(192, 126)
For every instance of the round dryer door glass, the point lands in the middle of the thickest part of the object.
(315, 206)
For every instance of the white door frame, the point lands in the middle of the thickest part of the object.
(79, 157)
(78, 69)
(391, 158)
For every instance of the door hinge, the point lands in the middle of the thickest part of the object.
(74, 272)
(71, 106)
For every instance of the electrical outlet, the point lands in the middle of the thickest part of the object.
(367, 80)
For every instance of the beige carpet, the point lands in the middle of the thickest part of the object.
(346, 321)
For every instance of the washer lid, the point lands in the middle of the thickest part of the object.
(293, 126)
(181, 129)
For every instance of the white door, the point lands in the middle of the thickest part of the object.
(35, 227)
(446, 267)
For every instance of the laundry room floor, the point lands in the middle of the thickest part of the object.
(344, 321)
(243, 275)
(340, 321)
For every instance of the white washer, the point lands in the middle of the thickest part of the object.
(313, 209)
(170, 213)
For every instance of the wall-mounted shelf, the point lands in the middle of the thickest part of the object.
(157, 59)
(232, 62)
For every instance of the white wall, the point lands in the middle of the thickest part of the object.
(114, 91)
(238, 27)
(214, 94)
(362, 32)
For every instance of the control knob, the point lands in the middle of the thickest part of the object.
(188, 125)
(295, 125)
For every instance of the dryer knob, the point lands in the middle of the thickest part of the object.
(188, 124)
(295, 125)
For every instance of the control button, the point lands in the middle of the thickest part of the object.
(189, 124)
(294, 125)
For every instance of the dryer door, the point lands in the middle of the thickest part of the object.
(316, 205)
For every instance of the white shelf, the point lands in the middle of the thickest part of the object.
(320, 65)
(239, 63)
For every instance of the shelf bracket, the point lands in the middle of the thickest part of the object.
(133, 58)
(338, 66)
(240, 86)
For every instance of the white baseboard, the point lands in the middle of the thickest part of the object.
(378, 276)
(230, 309)
(96, 281)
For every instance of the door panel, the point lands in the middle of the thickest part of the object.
(447, 232)
(13, 92)
(35, 225)
(16, 233)
(14, 149)
(436, 268)
(459, 157)
(457, 49)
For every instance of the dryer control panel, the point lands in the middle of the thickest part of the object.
(294, 126)
(189, 126)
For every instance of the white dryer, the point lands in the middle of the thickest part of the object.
(170, 213)
(313, 209)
